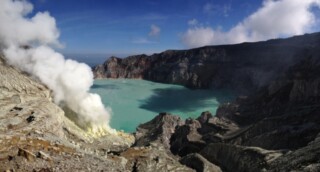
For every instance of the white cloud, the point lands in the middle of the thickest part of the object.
(153, 35)
(274, 19)
(154, 30)
(198, 36)
(193, 22)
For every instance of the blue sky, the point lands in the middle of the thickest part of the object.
(148, 26)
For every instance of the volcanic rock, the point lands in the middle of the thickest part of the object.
(154, 158)
(275, 129)
(239, 158)
(186, 138)
(199, 163)
(244, 67)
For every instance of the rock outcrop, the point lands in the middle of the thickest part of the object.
(242, 67)
(158, 130)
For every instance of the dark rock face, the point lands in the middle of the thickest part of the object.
(239, 158)
(194, 135)
(187, 139)
(243, 67)
(303, 159)
(282, 112)
(275, 129)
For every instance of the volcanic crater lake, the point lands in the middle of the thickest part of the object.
(137, 101)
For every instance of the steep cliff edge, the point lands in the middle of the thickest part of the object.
(243, 67)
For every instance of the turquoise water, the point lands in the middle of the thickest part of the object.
(137, 101)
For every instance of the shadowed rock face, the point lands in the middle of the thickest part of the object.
(275, 129)
(199, 163)
(243, 67)
(282, 112)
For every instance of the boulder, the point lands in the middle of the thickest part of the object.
(199, 163)
(239, 158)
(159, 129)
(186, 138)
(153, 158)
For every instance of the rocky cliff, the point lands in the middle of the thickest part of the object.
(243, 67)
(274, 129)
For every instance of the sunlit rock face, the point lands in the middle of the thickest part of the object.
(243, 67)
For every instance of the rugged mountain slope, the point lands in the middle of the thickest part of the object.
(243, 67)
(275, 129)
(35, 135)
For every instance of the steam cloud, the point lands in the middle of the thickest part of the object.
(69, 80)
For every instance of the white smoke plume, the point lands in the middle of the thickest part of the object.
(69, 80)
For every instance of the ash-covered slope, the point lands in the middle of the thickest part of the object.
(35, 135)
(243, 67)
